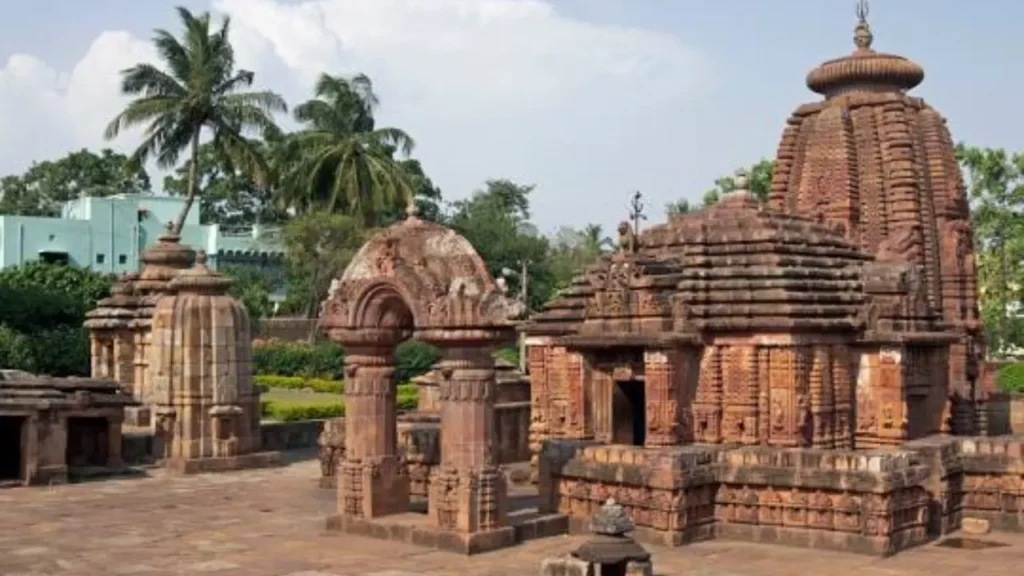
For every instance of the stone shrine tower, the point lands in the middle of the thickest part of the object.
(880, 164)
(120, 325)
(206, 408)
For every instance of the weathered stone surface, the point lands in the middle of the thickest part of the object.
(50, 427)
(418, 279)
(976, 526)
(206, 406)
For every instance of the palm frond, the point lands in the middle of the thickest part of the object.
(138, 112)
(148, 80)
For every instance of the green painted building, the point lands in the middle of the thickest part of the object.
(108, 234)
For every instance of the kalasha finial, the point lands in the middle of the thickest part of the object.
(862, 35)
(740, 182)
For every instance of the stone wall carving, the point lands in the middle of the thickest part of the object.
(869, 502)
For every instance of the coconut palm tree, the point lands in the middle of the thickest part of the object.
(340, 161)
(593, 240)
(198, 89)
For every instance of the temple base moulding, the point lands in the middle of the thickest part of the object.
(414, 529)
(223, 464)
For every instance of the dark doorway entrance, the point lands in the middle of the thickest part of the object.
(87, 442)
(10, 448)
(629, 413)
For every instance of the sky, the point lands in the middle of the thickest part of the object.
(588, 100)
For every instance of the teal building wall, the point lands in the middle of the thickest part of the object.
(109, 234)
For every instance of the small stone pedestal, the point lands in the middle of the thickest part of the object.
(609, 553)
(373, 488)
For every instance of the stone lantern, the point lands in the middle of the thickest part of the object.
(609, 553)
(207, 409)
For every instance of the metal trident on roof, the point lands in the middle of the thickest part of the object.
(636, 211)
(863, 9)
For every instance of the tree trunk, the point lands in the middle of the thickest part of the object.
(193, 184)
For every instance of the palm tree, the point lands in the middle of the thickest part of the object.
(594, 241)
(340, 161)
(199, 89)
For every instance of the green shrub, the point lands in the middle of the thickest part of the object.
(299, 383)
(294, 410)
(322, 360)
(325, 360)
(1011, 378)
(510, 355)
(407, 397)
(414, 358)
(291, 408)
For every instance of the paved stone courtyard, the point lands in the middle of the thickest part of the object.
(270, 523)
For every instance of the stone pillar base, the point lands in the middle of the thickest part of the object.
(373, 489)
(469, 501)
(427, 536)
(138, 416)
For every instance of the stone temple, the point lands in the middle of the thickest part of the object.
(800, 371)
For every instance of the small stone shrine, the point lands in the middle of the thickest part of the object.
(120, 326)
(207, 410)
(53, 428)
(609, 553)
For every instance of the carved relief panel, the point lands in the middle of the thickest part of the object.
(707, 408)
(739, 394)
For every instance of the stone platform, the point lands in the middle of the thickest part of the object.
(226, 464)
(271, 523)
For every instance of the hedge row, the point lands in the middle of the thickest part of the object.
(293, 409)
(267, 381)
(1011, 378)
(325, 360)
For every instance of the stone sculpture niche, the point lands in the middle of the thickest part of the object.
(207, 413)
(420, 280)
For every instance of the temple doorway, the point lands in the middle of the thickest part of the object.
(629, 413)
(87, 442)
(11, 447)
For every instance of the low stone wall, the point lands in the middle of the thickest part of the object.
(993, 480)
(137, 444)
(281, 436)
(288, 328)
(874, 502)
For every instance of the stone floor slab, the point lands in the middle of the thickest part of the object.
(271, 523)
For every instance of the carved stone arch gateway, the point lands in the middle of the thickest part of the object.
(417, 279)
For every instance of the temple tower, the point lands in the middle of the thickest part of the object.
(880, 164)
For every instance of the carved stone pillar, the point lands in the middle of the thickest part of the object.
(468, 493)
(372, 481)
(538, 374)
(662, 379)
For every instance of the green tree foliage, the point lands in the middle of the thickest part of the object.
(252, 287)
(42, 308)
(573, 250)
(318, 245)
(759, 183)
(231, 196)
(995, 182)
(200, 89)
(496, 221)
(340, 161)
(46, 186)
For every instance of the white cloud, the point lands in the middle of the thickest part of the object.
(45, 113)
(489, 88)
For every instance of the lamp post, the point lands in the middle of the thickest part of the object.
(523, 274)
